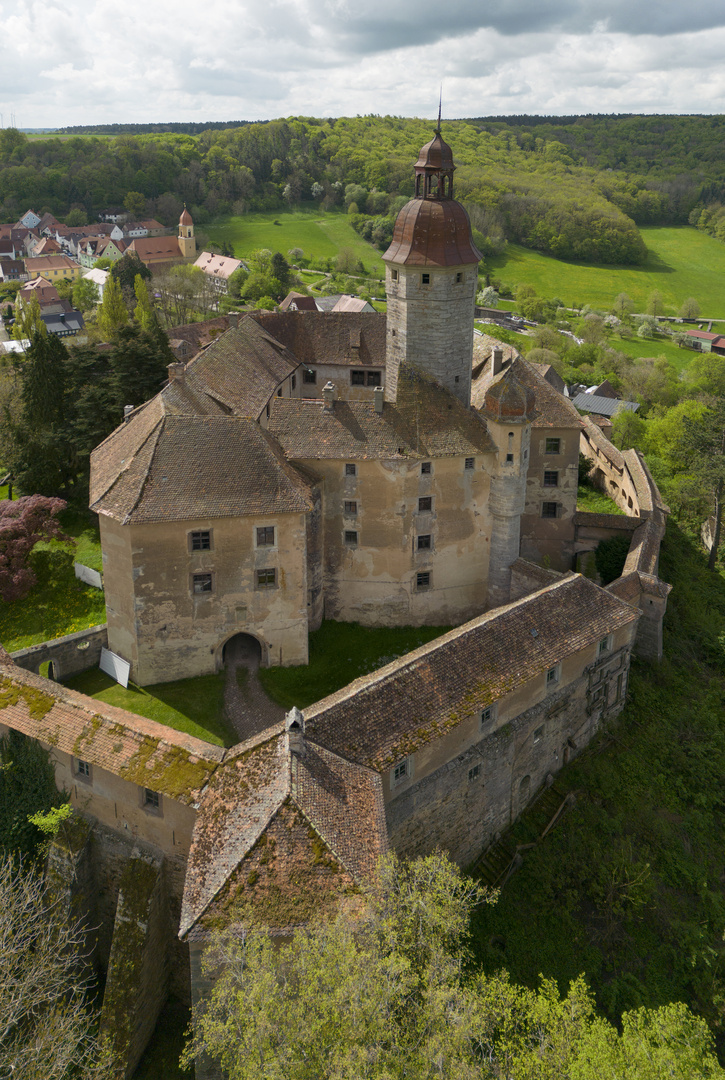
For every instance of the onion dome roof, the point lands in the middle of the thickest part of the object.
(436, 154)
(508, 401)
(432, 232)
(186, 218)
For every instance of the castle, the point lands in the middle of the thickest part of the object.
(356, 468)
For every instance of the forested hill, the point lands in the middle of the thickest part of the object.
(574, 189)
(184, 128)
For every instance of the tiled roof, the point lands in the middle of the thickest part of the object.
(600, 441)
(383, 717)
(188, 467)
(201, 333)
(353, 304)
(630, 586)
(155, 247)
(277, 833)
(132, 747)
(318, 337)
(301, 302)
(242, 368)
(50, 262)
(553, 410)
(220, 266)
(426, 421)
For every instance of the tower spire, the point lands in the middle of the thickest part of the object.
(440, 102)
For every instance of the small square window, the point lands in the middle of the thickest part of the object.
(351, 508)
(350, 469)
(425, 504)
(357, 378)
(422, 581)
(551, 479)
(425, 278)
(401, 771)
(266, 579)
(202, 583)
(605, 645)
(553, 446)
(309, 376)
(548, 510)
(265, 536)
(201, 540)
(373, 378)
(509, 459)
(474, 773)
(151, 799)
(552, 676)
(83, 769)
(469, 463)
(539, 734)
(424, 542)
(351, 537)
(425, 468)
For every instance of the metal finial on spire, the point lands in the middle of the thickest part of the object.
(440, 102)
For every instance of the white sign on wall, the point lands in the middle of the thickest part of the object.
(115, 666)
(91, 577)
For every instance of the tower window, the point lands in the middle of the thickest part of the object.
(549, 509)
(425, 278)
(350, 469)
(394, 275)
(509, 459)
(459, 279)
(424, 542)
(425, 468)
(266, 579)
(265, 536)
(551, 479)
(202, 583)
(474, 773)
(422, 581)
(351, 537)
(469, 463)
(201, 540)
(425, 504)
(553, 446)
(351, 508)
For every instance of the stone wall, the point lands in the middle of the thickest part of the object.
(69, 655)
(473, 798)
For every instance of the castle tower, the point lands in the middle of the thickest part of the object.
(431, 279)
(508, 410)
(187, 243)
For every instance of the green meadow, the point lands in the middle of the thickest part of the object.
(320, 235)
(682, 262)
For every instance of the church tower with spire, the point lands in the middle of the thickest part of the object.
(187, 241)
(431, 279)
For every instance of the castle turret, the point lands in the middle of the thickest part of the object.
(508, 410)
(431, 279)
(187, 243)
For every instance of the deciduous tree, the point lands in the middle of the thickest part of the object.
(704, 447)
(113, 313)
(23, 522)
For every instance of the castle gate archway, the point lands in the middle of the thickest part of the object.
(247, 709)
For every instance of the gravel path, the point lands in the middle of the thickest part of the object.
(246, 706)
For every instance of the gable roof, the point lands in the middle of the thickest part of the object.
(553, 410)
(426, 421)
(603, 406)
(381, 718)
(155, 247)
(218, 266)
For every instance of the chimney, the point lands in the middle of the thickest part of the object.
(378, 395)
(328, 396)
(127, 410)
(294, 725)
(176, 372)
(496, 359)
(233, 319)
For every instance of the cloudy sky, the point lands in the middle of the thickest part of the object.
(90, 61)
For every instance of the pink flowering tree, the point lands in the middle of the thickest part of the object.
(22, 523)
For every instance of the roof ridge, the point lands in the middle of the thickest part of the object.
(129, 461)
(157, 430)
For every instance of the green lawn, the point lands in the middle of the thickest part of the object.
(320, 235)
(339, 653)
(595, 502)
(682, 262)
(59, 603)
(191, 705)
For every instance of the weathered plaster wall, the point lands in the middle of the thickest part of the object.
(181, 633)
(69, 655)
(341, 375)
(374, 581)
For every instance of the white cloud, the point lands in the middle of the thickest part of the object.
(83, 62)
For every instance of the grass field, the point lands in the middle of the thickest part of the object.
(191, 705)
(682, 262)
(59, 603)
(321, 236)
(339, 653)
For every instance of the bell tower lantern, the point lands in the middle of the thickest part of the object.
(431, 278)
